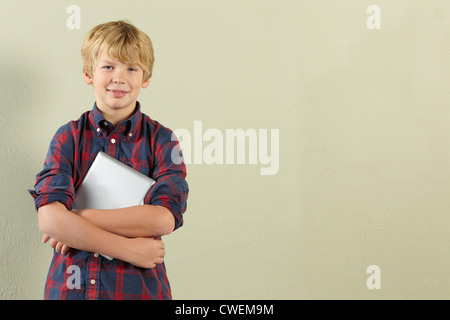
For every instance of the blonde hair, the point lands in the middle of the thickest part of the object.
(122, 41)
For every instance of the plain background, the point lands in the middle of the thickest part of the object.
(364, 143)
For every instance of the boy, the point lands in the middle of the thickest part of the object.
(118, 61)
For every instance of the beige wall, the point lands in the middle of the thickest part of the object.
(364, 141)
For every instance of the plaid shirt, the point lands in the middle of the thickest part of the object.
(143, 144)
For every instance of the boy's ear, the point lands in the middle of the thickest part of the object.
(146, 83)
(87, 77)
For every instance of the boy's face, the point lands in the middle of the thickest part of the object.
(116, 85)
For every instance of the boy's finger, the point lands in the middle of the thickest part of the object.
(53, 243)
(64, 250)
(45, 238)
(58, 247)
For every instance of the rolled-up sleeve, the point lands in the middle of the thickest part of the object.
(171, 188)
(55, 181)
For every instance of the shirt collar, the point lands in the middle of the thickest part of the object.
(129, 127)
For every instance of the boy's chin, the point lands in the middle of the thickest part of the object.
(119, 105)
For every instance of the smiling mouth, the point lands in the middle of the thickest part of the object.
(117, 93)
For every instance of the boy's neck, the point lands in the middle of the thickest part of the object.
(116, 116)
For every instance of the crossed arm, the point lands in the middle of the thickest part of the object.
(126, 234)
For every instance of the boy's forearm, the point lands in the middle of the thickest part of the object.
(70, 229)
(137, 221)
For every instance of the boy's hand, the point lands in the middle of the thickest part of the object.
(146, 252)
(61, 248)
(143, 252)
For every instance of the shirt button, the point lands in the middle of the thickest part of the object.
(130, 134)
(105, 123)
(98, 130)
(96, 255)
(92, 281)
(113, 140)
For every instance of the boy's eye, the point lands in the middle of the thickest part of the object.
(132, 69)
(107, 67)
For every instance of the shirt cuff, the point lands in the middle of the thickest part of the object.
(46, 198)
(172, 206)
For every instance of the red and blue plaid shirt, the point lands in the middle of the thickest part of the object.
(143, 144)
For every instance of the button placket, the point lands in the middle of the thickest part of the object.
(93, 278)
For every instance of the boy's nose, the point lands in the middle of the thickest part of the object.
(117, 80)
(118, 77)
